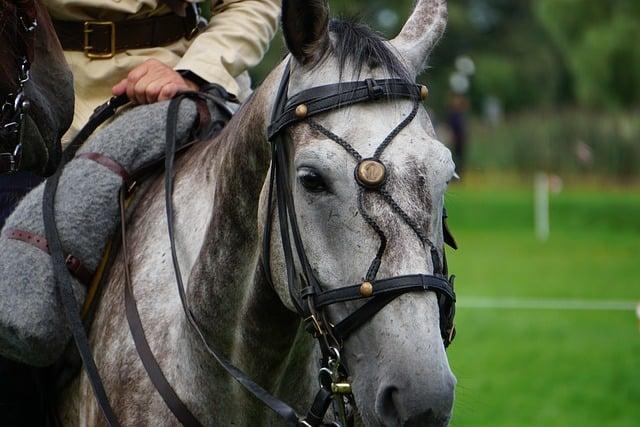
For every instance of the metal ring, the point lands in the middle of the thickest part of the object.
(326, 371)
(336, 353)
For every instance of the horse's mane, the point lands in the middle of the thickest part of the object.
(358, 46)
(355, 45)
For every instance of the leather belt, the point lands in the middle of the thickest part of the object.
(103, 39)
(74, 265)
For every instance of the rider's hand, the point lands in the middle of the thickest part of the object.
(152, 81)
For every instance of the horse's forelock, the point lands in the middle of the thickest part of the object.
(357, 46)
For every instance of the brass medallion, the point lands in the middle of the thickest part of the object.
(370, 173)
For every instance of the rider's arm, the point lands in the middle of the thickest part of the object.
(235, 40)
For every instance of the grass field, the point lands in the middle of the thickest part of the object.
(529, 367)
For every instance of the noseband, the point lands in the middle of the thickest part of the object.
(306, 292)
(15, 104)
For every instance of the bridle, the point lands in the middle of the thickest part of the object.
(15, 105)
(308, 296)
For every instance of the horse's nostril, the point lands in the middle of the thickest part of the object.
(411, 408)
(387, 406)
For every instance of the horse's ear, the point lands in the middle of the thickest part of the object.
(421, 33)
(305, 27)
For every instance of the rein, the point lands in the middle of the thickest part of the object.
(306, 292)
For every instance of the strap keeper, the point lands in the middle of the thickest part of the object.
(374, 89)
(307, 292)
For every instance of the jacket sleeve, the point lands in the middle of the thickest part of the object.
(236, 39)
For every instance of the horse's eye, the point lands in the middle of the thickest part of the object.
(311, 180)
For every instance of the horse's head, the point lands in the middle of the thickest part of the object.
(396, 359)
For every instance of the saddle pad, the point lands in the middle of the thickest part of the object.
(33, 327)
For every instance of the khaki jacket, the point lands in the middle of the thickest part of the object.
(236, 38)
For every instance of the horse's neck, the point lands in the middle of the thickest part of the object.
(216, 221)
(228, 292)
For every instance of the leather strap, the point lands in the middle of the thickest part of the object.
(108, 163)
(279, 407)
(128, 34)
(319, 407)
(329, 97)
(448, 236)
(402, 284)
(75, 266)
(160, 382)
(352, 322)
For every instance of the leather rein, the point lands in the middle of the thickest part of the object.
(15, 105)
(309, 297)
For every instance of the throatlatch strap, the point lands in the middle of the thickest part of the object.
(74, 264)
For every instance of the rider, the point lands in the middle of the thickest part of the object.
(151, 50)
(179, 45)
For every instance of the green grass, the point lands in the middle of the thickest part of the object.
(535, 367)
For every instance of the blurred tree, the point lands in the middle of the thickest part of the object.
(599, 43)
(528, 53)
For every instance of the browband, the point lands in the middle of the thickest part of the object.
(320, 99)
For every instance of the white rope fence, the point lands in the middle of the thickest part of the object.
(547, 304)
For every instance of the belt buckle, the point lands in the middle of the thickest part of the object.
(87, 48)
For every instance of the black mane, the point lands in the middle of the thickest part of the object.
(358, 46)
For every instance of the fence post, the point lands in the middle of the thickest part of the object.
(541, 206)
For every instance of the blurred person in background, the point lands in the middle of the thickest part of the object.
(457, 107)
(457, 121)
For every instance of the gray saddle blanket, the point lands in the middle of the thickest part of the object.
(33, 327)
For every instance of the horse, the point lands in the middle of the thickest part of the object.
(397, 361)
(32, 63)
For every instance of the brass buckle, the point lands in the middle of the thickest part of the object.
(313, 320)
(87, 48)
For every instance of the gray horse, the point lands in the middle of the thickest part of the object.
(397, 360)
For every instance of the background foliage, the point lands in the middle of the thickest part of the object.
(565, 73)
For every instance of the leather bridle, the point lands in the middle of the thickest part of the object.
(15, 105)
(306, 292)
(309, 297)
